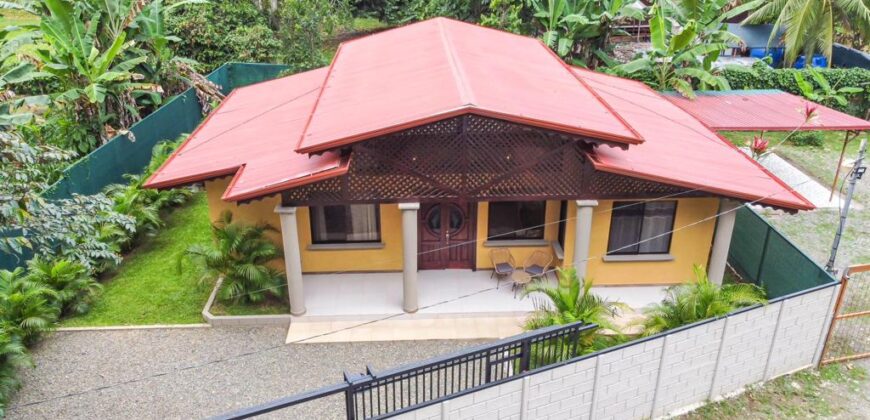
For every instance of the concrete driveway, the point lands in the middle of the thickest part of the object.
(193, 373)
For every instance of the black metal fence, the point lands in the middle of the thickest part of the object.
(375, 395)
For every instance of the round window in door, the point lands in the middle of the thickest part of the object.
(455, 219)
(433, 220)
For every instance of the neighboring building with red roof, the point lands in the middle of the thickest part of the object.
(431, 145)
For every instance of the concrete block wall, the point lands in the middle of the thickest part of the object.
(664, 375)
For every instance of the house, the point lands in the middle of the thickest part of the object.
(426, 146)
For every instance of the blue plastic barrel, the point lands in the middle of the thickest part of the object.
(820, 61)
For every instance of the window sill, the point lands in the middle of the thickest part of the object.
(557, 249)
(638, 258)
(515, 243)
(346, 246)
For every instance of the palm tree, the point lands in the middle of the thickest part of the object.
(571, 300)
(809, 24)
(76, 289)
(25, 307)
(692, 302)
(240, 255)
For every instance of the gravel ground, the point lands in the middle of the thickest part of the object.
(98, 374)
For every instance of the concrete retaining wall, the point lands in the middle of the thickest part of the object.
(240, 320)
(663, 375)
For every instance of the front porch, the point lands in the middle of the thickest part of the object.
(454, 304)
(442, 293)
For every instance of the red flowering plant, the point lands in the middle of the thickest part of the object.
(758, 146)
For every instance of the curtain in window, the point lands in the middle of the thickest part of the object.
(363, 223)
(657, 221)
(625, 223)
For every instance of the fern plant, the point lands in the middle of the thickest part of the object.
(701, 299)
(26, 308)
(13, 356)
(240, 254)
(76, 289)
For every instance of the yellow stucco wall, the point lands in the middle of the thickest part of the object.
(689, 245)
(520, 253)
(388, 258)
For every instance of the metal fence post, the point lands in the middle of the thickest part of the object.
(525, 358)
(763, 256)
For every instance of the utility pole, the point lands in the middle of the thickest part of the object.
(856, 174)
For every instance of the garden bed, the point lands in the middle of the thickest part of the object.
(218, 314)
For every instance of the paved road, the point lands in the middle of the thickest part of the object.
(98, 374)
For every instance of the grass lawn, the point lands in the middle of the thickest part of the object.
(270, 307)
(814, 231)
(147, 288)
(835, 391)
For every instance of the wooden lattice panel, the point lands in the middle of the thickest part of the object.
(472, 158)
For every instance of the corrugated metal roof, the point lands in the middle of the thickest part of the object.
(757, 110)
(680, 150)
(438, 68)
(252, 135)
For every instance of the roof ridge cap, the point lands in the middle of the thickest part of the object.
(317, 101)
(593, 92)
(466, 95)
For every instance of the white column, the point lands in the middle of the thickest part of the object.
(409, 256)
(583, 234)
(722, 240)
(292, 258)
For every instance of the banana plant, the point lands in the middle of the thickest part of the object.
(825, 93)
(679, 60)
(580, 30)
(97, 80)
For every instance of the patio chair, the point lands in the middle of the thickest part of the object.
(502, 264)
(537, 265)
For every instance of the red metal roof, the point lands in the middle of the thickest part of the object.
(252, 135)
(769, 110)
(435, 69)
(680, 150)
(439, 68)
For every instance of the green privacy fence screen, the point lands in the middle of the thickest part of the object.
(108, 164)
(760, 253)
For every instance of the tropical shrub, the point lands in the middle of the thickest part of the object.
(22, 178)
(76, 288)
(699, 300)
(508, 15)
(84, 229)
(240, 254)
(26, 308)
(571, 300)
(807, 139)
(304, 26)
(13, 356)
(223, 31)
(762, 76)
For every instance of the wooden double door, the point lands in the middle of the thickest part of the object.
(447, 232)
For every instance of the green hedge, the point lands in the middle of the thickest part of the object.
(761, 76)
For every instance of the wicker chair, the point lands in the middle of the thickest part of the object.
(538, 264)
(502, 264)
